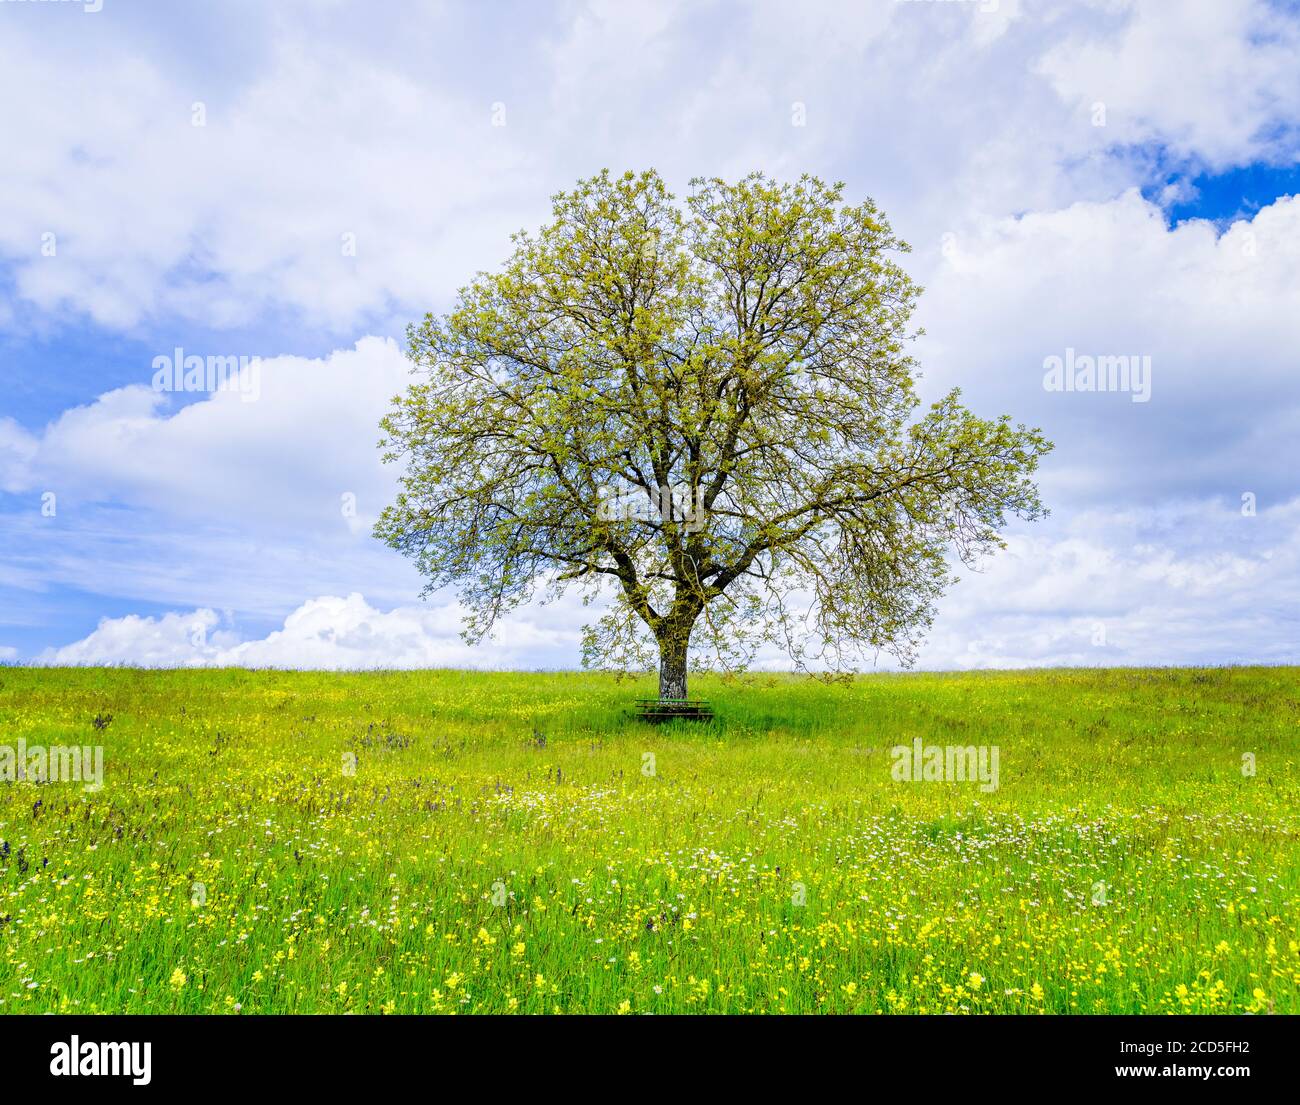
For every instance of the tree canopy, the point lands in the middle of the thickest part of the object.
(706, 413)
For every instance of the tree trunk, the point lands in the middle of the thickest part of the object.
(672, 666)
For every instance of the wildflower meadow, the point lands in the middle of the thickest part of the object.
(451, 842)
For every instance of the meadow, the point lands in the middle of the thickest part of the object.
(420, 842)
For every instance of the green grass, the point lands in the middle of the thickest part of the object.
(503, 846)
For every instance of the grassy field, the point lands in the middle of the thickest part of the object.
(452, 842)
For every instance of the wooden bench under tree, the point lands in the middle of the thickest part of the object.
(673, 709)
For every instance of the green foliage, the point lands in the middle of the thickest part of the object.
(745, 350)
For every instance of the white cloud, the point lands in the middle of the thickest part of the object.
(1218, 314)
(330, 122)
(1196, 583)
(1210, 80)
(154, 217)
(17, 447)
(173, 640)
(284, 459)
(238, 504)
(329, 632)
(1113, 589)
(334, 123)
(157, 500)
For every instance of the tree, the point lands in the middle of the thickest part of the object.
(709, 409)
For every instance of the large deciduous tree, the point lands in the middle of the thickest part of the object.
(707, 412)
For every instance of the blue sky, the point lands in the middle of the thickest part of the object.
(1099, 179)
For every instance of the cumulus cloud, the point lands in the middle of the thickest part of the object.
(253, 494)
(326, 632)
(1199, 583)
(1218, 314)
(1192, 583)
(241, 503)
(341, 184)
(326, 168)
(308, 185)
(173, 640)
(286, 452)
(1239, 105)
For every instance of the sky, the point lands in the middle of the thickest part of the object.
(295, 182)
